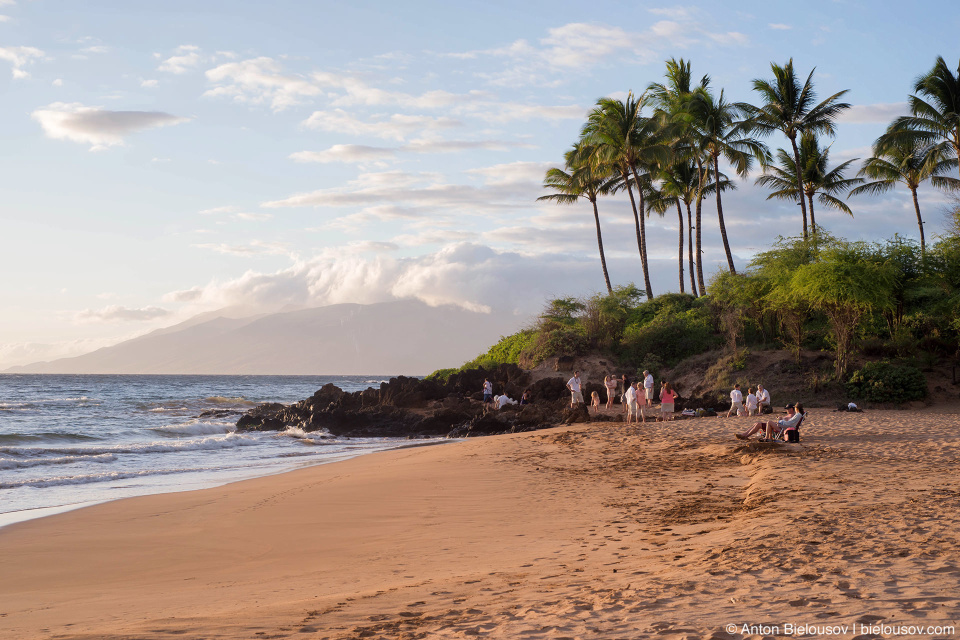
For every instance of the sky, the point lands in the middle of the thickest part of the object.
(162, 160)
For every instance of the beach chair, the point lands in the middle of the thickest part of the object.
(790, 434)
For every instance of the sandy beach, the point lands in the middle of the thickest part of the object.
(601, 530)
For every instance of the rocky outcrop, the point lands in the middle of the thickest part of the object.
(410, 407)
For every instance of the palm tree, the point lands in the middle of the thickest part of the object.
(910, 163)
(721, 131)
(817, 180)
(585, 180)
(790, 108)
(935, 117)
(627, 142)
(670, 101)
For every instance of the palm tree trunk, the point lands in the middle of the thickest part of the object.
(642, 230)
(680, 253)
(640, 239)
(703, 289)
(603, 260)
(693, 282)
(813, 221)
(723, 228)
(796, 162)
(916, 206)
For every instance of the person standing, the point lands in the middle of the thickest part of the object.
(648, 388)
(576, 397)
(668, 398)
(611, 386)
(625, 384)
(736, 401)
(751, 403)
(630, 402)
(487, 391)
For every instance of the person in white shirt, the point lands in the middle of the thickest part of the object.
(630, 399)
(763, 399)
(752, 404)
(648, 388)
(499, 402)
(487, 391)
(576, 397)
(736, 401)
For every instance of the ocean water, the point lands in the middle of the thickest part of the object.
(71, 440)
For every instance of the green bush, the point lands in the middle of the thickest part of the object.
(671, 337)
(885, 381)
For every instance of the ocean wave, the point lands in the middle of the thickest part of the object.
(307, 436)
(23, 463)
(196, 428)
(88, 478)
(167, 409)
(243, 402)
(214, 442)
(51, 436)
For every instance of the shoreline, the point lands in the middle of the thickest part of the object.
(9, 518)
(596, 530)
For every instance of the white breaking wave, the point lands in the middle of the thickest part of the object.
(196, 428)
(167, 409)
(214, 442)
(300, 434)
(88, 478)
(15, 463)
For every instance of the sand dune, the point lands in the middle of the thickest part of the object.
(669, 530)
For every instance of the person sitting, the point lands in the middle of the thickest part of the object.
(525, 398)
(736, 401)
(763, 400)
(775, 428)
(499, 402)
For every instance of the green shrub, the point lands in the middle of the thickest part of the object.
(885, 381)
(442, 375)
(671, 337)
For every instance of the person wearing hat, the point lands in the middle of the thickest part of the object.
(794, 416)
(648, 387)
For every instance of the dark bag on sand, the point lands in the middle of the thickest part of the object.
(710, 412)
(792, 435)
(766, 409)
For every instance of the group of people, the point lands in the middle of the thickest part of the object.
(501, 401)
(754, 404)
(635, 396)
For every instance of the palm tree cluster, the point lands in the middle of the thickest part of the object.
(665, 149)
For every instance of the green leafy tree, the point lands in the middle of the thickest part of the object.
(671, 102)
(721, 131)
(584, 179)
(818, 180)
(630, 144)
(792, 108)
(910, 163)
(845, 286)
(934, 115)
(736, 298)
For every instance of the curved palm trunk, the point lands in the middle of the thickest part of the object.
(700, 179)
(796, 162)
(916, 206)
(642, 237)
(813, 221)
(693, 282)
(680, 252)
(603, 260)
(723, 228)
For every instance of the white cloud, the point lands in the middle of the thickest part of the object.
(881, 113)
(4, 18)
(58, 82)
(96, 49)
(260, 81)
(254, 217)
(778, 26)
(395, 127)
(149, 84)
(256, 247)
(186, 58)
(117, 313)
(227, 209)
(345, 153)
(96, 126)
(19, 57)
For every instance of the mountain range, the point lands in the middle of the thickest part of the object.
(403, 337)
